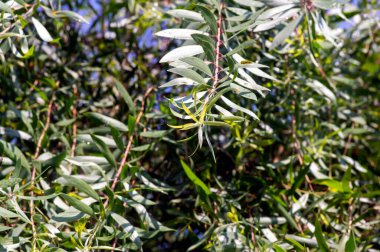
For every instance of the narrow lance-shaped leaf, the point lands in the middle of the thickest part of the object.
(127, 98)
(179, 33)
(198, 64)
(41, 30)
(209, 18)
(191, 175)
(7, 214)
(320, 238)
(186, 14)
(108, 121)
(127, 228)
(78, 204)
(182, 52)
(285, 32)
(105, 150)
(237, 107)
(82, 186)
(188, 73)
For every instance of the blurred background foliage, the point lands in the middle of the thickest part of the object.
(76, 96)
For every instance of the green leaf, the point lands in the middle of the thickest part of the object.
(295, 243)
(204, 238)
(178, 82)
(242, 27)
(105, 150)
(186, 14)
(207, 44)
(332, 184)
(4, 228)
(5, 7)
(346, 180)
(286, 32)
(244, 92)
(153, 134)
(82, 186)
(250, 3)
(54, 161)
(141, 148)
(209, 18)
(10, 34)
(217, 124)
(7, 214)
(44, 197)
(322, 90)
(78, 204)
(191, 175)
(242, 46)
(127, 228)
(237, 107)
(131, 124)
(198, 64)
(188, 73)
(351, 243)
(320, 238)
(108, 121)
(41, 30)
(278, 248)
(70, 14)
(179, 33)
(117, 137)
(182, 52)
(29, 53)
(68, 215)
(127, 98)
(9, 182)
(14, 153)
(325, 4)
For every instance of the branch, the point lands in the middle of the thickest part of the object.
(130, 141)
(33, 176)
(297, 145)
(219, 55)
(75, 115)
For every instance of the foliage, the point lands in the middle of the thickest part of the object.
(105, 108)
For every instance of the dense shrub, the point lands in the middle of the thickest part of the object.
(201, 125)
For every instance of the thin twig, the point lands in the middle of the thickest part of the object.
(297, 146)
(218, 58)
(24, 16)
(75, 115)
(218, 54)
(127, 150)
(130, 141)
(347, 145)
(34, 171)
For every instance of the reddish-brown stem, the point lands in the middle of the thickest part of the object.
(25, 15)
(130, 141)
(296, 142)
(127, 150)
(347, 145)
(217, 51)
(75, 115)
(297, 146)
(33, 175)
(47, 124)
(218, 57)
